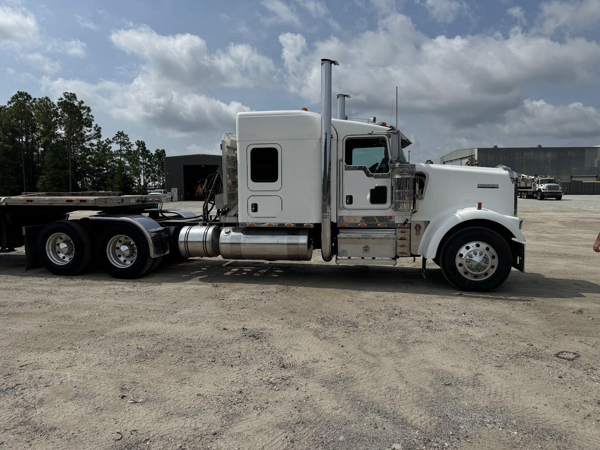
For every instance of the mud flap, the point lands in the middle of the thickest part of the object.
(518, 254)
(30, 237)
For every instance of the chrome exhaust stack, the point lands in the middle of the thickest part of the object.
(342, 106)
(326, 94)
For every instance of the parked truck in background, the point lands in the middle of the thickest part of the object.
(292, 182)
(540, 187)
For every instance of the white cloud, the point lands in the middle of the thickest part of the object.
(281, 13)
(42, 63)
(518, 13)
(170, 89)
(316, 8)
(86, 22)
(538, 118)
(185, 60)
(73, 47)
(178, 113)
(465, 80)
(444, 11)
(17, 26)
(570, 15)
(198, 149)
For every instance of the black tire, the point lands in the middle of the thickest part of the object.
(490, 245)
(78, 248)
(134, 265)
(559, 197)
(539, 195)
(155, 263)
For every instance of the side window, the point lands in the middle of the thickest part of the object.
(369, 152)
(264, 165)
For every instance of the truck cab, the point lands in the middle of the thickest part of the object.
(547, 187)
(364, 204)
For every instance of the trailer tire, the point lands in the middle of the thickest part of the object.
(65, 247)
(461, 252)
(123, 251)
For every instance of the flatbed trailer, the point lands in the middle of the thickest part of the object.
(128, 235)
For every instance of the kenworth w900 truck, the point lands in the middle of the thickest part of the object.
(292, 182)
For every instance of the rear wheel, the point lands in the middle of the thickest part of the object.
(476, 259)
(155, 263)
(559, 197)
(65, 248)
(124, 252)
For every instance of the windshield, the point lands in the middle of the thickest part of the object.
(547, 180)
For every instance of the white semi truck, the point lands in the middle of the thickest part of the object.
(292, 182)
(540, 187)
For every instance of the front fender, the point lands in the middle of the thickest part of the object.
(441, 225)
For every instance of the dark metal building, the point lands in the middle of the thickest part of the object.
(186, 172)
(563, 162)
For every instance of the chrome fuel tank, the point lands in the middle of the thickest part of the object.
(265, 243)
(199, 241)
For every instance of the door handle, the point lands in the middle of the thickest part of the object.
(349, 199)
(254, 207)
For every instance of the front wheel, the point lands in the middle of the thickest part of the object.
(124, 252)
(539, 195)
(476, 259)
(559, 197)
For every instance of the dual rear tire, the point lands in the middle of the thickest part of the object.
(66, 248)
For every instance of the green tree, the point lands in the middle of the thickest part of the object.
(471, 161)
(429, 161)
(20, 132)
(157, 168)
(142, 166)
(55, 174)
(10, 166)
(45, 114)
(76, 121)
(122, 178)
(101, 161)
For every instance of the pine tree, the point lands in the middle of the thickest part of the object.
(20, 130)
(122, 179)
(45, 114)
(76, 123)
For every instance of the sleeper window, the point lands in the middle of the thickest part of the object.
(264, 165)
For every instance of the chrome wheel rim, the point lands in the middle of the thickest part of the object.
(121, 251)
(60, 249)
(477, 260)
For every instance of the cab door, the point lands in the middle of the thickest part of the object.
(366, 181)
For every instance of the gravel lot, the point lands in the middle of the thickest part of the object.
(225, 355)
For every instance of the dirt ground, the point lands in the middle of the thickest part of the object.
(214, 354)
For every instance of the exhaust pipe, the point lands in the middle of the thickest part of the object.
(342, 106)
(326, 94)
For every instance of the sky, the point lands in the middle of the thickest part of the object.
(470, 73)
